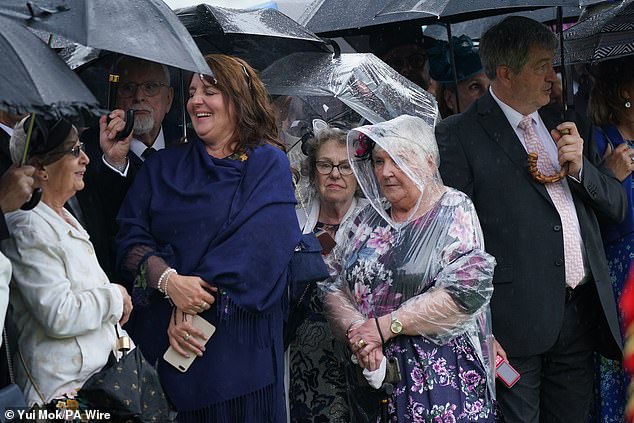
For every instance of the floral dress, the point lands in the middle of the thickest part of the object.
(443, 375)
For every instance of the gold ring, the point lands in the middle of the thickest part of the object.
(361, 343)
(186, 337)
(204, 305)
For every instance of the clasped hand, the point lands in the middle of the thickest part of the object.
(365, 343)
(190, 294)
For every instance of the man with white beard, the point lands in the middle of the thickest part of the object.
(144, 87)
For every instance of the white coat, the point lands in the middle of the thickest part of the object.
(64, 306)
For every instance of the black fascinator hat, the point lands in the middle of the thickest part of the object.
(47, 135)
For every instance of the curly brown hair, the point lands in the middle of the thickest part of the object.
(243, 89)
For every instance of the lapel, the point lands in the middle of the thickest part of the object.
(495, 124)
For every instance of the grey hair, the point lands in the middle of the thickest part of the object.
(127, 62)
(314, 145)
(508, 43)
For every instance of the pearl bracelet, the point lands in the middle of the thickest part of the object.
(164, 279)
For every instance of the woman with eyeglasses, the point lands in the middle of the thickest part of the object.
(317, 389)
(208, 229)
(64, 306)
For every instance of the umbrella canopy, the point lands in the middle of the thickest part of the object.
(360, 80)
(333, 17)
(460, 10)
(607, 34)
(258, 36)
(476, 27)
(34, 79)
(147, 29)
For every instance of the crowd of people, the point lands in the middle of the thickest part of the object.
(503, 233)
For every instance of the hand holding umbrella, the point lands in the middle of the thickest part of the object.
(16, 187)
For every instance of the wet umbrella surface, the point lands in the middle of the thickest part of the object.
(147, 29)
(258, 36)
(607, 34)
(34, 79)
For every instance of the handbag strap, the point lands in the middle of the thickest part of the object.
(28, 374)
(5, 339)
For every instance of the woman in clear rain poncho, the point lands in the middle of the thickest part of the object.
(414, 285)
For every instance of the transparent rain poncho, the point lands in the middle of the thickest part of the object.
(431, 270)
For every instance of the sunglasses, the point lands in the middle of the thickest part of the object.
(76, 150)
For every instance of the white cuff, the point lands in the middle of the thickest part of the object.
(121, 171)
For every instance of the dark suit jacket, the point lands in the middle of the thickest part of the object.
(103, 194)
(5, 154)
(481, 155)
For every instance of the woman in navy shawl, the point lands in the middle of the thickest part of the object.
(209, 228)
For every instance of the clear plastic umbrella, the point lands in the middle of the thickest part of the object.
(360, 80)
(347, 90)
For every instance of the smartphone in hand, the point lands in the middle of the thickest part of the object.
(181, 362)
(505, 372)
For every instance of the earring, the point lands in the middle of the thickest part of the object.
(628, 104)
(45, 176)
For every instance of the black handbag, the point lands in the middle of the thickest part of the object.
(307, 267)
(11, 396)
(129, 389)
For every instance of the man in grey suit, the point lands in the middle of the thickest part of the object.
(552, 303)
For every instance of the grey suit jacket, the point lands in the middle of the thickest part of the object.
(481, 155)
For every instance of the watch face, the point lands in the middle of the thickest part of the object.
(396, 326)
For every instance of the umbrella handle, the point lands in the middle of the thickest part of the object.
(36, 196)
(129, 126)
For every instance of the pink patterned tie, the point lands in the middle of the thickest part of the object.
(563, 204)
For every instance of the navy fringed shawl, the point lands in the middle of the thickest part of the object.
(233, 224)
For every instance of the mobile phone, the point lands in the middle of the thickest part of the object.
(181, 362)
(505, 372)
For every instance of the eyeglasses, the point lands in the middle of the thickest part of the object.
(76, 150)
(415, 60)
(325, 168)
(150, 88)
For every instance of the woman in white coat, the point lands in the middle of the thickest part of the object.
(317, 389)
(64, 306)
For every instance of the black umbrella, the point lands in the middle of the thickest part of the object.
(147, 29)
(334, 17)
(460, 10)
(475, 28)
(606, 34)
(34, 79)
(258, 36)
